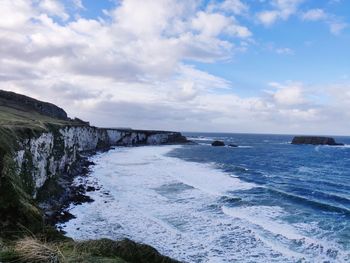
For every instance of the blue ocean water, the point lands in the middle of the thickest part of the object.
(311, 183)
(264, 201)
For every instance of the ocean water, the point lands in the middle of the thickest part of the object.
(265, 201)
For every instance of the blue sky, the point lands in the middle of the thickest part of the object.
(315, 56)
(270, 66)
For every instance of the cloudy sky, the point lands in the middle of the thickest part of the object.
(261, 66)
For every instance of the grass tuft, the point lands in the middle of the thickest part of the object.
(33, 250)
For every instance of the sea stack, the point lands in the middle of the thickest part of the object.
(217, 143)
(315, 140)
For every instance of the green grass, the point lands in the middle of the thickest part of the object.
(12, 117)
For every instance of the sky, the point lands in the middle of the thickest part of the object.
(253, 66)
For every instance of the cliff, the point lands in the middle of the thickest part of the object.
(39, 143)
(55, 151)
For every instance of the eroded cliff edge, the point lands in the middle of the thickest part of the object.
(38, 142)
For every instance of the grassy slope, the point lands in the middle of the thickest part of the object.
(19, 121)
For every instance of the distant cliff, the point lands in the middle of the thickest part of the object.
(56, 151)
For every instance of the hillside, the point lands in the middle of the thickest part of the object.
(18, 111)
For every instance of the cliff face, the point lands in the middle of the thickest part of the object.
(55, 152)
(40, 144)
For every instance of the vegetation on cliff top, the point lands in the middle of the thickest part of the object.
(23, 117)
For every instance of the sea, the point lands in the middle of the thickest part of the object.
(263, 201)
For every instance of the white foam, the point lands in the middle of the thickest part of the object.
(177, 222)
(174, 206)
(200, 138)
(266, 221)
(341, 146)
(201, 176)
(264, 216)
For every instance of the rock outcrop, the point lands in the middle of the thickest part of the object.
(314, 140)
(217, 143)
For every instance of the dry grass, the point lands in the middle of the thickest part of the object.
(32, 250)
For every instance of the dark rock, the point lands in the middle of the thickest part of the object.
(64, 216)
(177, 138)
(233, 145)
(217, 143)
(85, 170)
(80, 198)
(90, 189)
(77, 120)
(314, 140)
(88, 163)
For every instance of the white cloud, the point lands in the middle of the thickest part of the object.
(314, 15)
(214, 24)
(236, 7)
(288, 94)
(209, 24)
(337, 27)
(284, 51)
(78, 4)
(53, 7)
(281, 9)
(135, 67)
(15, 14)
(335, 24)
(137, 55)
(268, 17)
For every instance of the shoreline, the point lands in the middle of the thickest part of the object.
(182, 203)
(114, 216)
(56, 210)
(77, 194)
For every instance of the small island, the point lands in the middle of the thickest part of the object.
(217, 143)
(315, 140)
